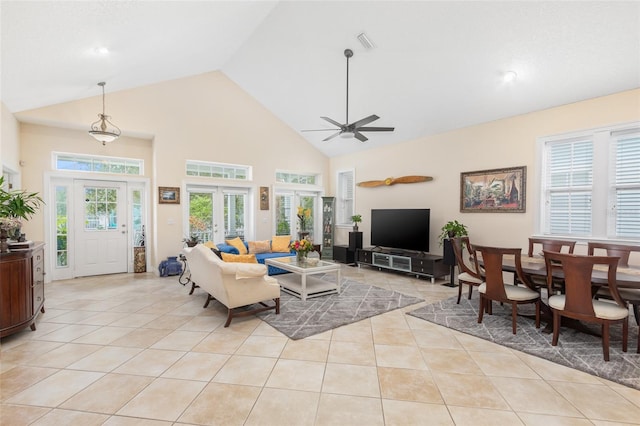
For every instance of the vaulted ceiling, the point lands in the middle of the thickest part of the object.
(435, 65)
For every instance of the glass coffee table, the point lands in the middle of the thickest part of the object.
(300, 283)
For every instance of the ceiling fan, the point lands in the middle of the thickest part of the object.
(348, 130)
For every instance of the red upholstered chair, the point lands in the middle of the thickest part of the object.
(577, 302)
(622, 251)
(469, 271)
(494, 287)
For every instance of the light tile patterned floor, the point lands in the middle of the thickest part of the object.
(135, 349)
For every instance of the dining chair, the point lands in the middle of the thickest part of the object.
(549, 244)
(622, 251)
(577, 302)
(469, 271)
(494, 287)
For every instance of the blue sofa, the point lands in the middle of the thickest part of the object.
(260, 257)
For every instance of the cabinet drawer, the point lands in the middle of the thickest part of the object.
(38, 257)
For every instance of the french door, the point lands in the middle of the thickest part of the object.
(287, 204)
(218, 213)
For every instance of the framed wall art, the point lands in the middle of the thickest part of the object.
(264, 198)
(168, 195)
(494, 191)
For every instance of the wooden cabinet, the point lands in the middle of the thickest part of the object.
(420, 264)
(328, 226)
(21, 288)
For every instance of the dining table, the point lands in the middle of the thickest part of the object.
(535, 267)
(626, 277)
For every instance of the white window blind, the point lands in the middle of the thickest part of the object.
(345, 197)
(626, 185)
(590, 184)
(569, 180)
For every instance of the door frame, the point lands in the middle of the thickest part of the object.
(49, 215)
(296, 193)
(217, 189)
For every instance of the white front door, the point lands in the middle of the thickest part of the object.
(101, 227)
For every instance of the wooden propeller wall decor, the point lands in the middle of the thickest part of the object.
(392, 181)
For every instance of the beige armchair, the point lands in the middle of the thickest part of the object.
(232, 284)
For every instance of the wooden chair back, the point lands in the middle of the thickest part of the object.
(550, 245)
(468, 265)
(616, 250)
(577, 272)
(492, 258)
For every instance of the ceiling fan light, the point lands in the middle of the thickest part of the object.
(347, 135)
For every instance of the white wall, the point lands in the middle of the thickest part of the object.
(10, 142)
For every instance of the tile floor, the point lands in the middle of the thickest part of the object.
(135, 349)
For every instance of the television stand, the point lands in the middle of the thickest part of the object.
(418, 264)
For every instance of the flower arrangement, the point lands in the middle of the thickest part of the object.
(304, 216)
(9, 223)
(301, 247)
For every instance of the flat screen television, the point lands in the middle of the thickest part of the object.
(404, 229)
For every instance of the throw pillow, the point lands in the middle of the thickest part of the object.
(280, 244)
(238, 244)
(259, 246)
(239, 258)
(211, 245)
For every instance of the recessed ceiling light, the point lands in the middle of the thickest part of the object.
(101, 51)
(510, 76)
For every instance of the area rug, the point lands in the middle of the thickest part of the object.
(575, 349)
(355, 302)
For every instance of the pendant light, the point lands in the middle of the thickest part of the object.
(104, 130)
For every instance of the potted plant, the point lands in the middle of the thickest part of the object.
(356, 219)
(452, 229)
(191, 241)
(20, 205)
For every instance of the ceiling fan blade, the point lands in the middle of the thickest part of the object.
(332, 121)
(332, 136)
(371, 183)
(376, 129)
(318, 130)
(412, 179)
(360, 136)
(364, 121)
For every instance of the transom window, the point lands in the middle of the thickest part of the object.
(218, 170)
(98, 164)
(301, 178)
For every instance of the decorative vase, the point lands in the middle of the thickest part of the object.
(4, 245)
(355, 228)
(301, 256)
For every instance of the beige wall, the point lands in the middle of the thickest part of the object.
(205, 117)
(208, 117)
(38, 142)
(504, 143)
(10, 144)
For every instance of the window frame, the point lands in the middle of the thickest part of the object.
(248, 170)
(93, 159)
(602, 193)
(343, 202)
